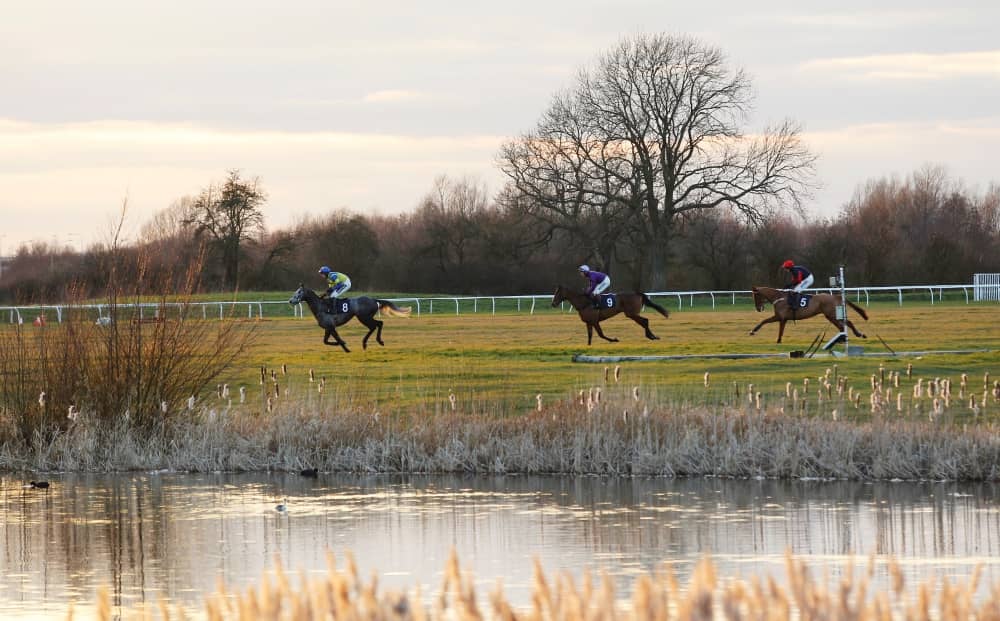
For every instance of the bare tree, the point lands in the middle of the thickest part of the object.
(229, 216)
(653, 131)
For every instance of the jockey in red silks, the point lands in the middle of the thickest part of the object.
(800, 278)
(598, 283)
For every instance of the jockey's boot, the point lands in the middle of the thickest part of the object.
(596, 299)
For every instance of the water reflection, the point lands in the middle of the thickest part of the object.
(151, 536)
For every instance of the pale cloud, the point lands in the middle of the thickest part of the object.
(851, 155)
(984, 64)
(877, 20)
(68, 178)
(393, 96)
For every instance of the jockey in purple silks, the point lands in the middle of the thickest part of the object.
(598, 283)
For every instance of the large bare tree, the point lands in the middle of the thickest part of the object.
(654, 130)
(229, 215)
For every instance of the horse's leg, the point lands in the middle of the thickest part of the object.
(333, 332)
(770, 319)
(600, 333)
(781, 329)
(841, 324)
(590, 332)
(642, 321)
(850, 324)
(373, 325)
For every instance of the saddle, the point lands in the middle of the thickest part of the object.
(798, 301)
(338, 306)
(605, 300)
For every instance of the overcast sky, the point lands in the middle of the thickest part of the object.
(360, 105)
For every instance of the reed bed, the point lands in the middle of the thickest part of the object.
(343, 594)
(609, 429)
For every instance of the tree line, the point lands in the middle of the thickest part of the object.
(926, 228)
(644, 167)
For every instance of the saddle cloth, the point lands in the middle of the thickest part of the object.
(338, 306)
(608, 300)
(798, 300)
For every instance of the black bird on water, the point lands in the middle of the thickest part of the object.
(311, 473)
(40, 484)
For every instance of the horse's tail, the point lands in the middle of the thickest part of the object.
(391, 309)
(858, 310)
(652, 304)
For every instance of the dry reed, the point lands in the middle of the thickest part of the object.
(342, 594)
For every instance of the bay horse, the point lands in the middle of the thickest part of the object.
(364, 308)
(824, 303)
(628, 303)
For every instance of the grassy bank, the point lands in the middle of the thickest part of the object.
(610, 430)
(343, 594)
(500, 393)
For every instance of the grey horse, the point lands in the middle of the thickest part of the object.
(363, 307)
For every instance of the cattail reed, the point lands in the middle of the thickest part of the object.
(635, 393)
(538, 402)
(263, 375)
(909, 370)
(899, 402)
(607, 372)
(757, 400)
(706, 379)
(277, 390)
(41, 400)
(284, 369)
(243, 394)
(452, 400)
(72, 413)
(788, 389)
(618, 373)
(312, 376)
(190, 402)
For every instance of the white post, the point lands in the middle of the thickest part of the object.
(843, 305)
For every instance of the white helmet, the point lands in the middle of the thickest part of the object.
(584, 268)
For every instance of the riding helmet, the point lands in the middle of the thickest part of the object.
(584, 268)
(788, 264)
(324, 270)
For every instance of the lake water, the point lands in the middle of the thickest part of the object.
(148, 536)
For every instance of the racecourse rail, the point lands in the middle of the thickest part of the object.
(259, 309)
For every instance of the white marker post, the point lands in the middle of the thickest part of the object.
(841, 315)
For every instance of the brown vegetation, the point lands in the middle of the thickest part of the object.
(124, 366)
(343, 594)
(923, 229)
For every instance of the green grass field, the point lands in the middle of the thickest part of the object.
(511, 357)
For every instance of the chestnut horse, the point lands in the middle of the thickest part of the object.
(824, 303)
(364, 308)
(628, 303)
